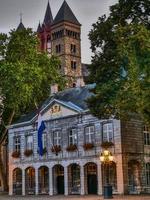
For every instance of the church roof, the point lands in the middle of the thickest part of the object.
(48, 19)
(74, 98)
(65, 14)
(20, 26)
(39, 29)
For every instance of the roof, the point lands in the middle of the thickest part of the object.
(65, 14)
(48, 19)
(72, 97)
(39, 29)
(20, 26)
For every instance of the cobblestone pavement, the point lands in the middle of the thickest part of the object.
(115, 197)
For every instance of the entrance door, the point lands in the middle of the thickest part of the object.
(92, 184)
(60, 184)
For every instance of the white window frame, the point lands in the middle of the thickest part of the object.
(89, 132)
(73, 136)
(57, 138)
(108, 133)
(44, 140)
(146, 132)
(17, 143)
(29, 145)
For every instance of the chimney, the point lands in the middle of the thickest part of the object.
(54, 89)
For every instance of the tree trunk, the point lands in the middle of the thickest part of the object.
(4, 162)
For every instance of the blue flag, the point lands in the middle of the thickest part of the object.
(41, 127)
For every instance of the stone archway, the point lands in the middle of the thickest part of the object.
(90, 178)
(134, 179)
(43, 175)
(30, 180)
(58, 179)
(17, 181)
(74, 186)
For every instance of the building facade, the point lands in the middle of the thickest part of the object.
(72, 146)
(72, 139)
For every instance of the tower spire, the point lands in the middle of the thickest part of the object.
(21, 17)
(48, 19)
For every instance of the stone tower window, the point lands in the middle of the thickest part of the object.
(73, 48)
(58, 48)
(74, 65)
(74, 85)
(49, 44)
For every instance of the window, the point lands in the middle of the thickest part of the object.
(48, 45)
(89, 134)
(57, 138)
(17, 143)
(108, 132)
(58, 48)
(29, 142)
(146, 132)
(73, 65)
(147, 174)
(73, 48)
(44, 140)
(73, 136)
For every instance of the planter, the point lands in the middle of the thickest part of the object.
(88, 146)
(28, 152)
(72, 147)
(56, 149)
(107, 144)
(16, 154)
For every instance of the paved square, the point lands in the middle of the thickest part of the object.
(42, 197)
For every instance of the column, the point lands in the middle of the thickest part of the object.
(36, 182)
(23, 182)
(66, 179)
(99, 181)
(82, 179)
(50, 181)
(120, 181)
(10, 182)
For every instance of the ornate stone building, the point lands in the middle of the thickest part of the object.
(72, 139)
(72, 146)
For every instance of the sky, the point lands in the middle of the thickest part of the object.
(33, 11)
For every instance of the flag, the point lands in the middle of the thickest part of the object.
(41, 127)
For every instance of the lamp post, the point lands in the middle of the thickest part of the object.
(106, 158)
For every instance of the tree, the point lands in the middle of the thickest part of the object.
(25, 73)
(121, 48)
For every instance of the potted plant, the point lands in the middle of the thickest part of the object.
(107, 144)
(72, 147)
(28, 152)
(16, 154)
(56, 149)
(88, 146)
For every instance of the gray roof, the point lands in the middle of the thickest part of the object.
(65, 14)
(48, 19)
(20, 26)
(73, 97)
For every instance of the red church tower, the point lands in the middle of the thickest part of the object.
(44, 31)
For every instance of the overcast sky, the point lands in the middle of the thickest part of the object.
(86, 11)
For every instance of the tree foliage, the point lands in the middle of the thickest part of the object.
(25, 73)
(120, 65)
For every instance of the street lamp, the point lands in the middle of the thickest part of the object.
(106, 158)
